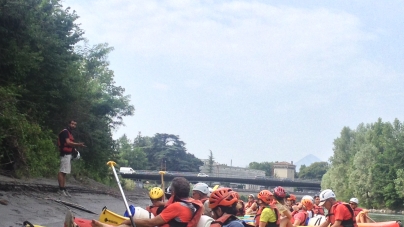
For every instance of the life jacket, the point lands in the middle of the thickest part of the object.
(225, 219)
(155, 210)
(269, 224)
(318, 210)
(63, 147)
(241, 210)
(345, 223)
(204, 200)
(195, 206)
(249, 204)
(302, 222)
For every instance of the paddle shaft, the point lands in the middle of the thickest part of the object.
(123, 194)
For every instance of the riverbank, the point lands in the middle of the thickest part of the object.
(33, 200)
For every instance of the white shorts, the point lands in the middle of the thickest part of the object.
(65, 166)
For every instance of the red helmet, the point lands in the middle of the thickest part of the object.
(265, 196)
(279, 192)
(292, 197)
(307, 203)
(222, 197)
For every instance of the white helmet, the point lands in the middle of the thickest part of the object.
(202, 187)
(354, 200)
(308, 197)
(210, 191)
(76, 155)
(326, 194)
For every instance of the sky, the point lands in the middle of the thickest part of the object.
(252, 80)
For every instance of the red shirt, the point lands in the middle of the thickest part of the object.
(176, 211)
(339, 212)
(301, 216)
(357, 210)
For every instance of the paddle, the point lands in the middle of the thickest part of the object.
(162, 181)
(112, 164)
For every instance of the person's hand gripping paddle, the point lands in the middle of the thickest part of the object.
(112, 165)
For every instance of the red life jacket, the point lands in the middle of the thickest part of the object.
(302, 222)
(224, 220)
(269, 224)
(345, 223)
(195, 206)
(318, 210)
(63, 147)
(241, 211)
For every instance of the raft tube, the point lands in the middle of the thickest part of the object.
(382, 224)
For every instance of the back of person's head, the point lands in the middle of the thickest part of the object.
(180, 187)
(225, 199)
(156, 193)
(279, 193)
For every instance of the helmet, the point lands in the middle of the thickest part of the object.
(265, 196)
(252, 195)
(279, 192)
(75, 154)
(326, 194)
(202, 187)
(308, 197)
(292, 197)
(222, 197)
(308, 203)
(156, 193)
(354, 200)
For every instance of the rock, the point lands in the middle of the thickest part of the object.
(3, 202)
(1, 194)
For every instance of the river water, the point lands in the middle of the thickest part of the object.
(386, 217)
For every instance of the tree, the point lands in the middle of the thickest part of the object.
(314, 171)
(265, 166)
(211, 162)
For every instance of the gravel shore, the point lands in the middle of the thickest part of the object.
(33, 200)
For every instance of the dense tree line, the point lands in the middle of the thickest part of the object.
(368, 163)
(160, 152)
(314, 171)
(47, 79)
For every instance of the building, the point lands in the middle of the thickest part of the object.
(284, 170)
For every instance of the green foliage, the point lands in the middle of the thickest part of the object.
(268, 167)
(130, 154)
(314, 171)
(367, 164)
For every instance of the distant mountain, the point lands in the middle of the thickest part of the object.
(307, 160)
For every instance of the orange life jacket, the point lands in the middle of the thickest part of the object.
(204, 200)
(155, 210)
(269, 224)
(195, 206)
(63, 147)
(318, 210)
(225, 219)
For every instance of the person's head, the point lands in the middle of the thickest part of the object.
(353, 202)
(223, 201)
(200, 191)
(265, 196)
(180, 187)
(251, 197)
(167, 193)
(72, 124)
(307, 204)
(291, 200)
(156, 194)
(280, 194)
(327, 199)
(316, 199)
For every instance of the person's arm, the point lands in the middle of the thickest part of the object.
(337, 223)
(253, 206)
(156, 221)
(296, 223)
(73, 144)
(262, 224)
(325, 224)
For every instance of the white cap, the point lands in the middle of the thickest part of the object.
(202, 187)
(354, 200)
(326, 194)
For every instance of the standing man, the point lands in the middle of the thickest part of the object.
(339, 214)
(66, 145)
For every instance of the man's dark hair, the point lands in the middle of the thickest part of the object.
(180, 187)
(69, 122)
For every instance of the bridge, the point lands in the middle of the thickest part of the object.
(266, 182)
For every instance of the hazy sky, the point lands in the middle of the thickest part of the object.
(252, 80)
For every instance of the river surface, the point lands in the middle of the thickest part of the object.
(386, 217)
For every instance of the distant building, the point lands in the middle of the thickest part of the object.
(284, 170)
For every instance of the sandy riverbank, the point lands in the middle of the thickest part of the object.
(28, 200)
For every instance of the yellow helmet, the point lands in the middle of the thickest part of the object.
(156, 193)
